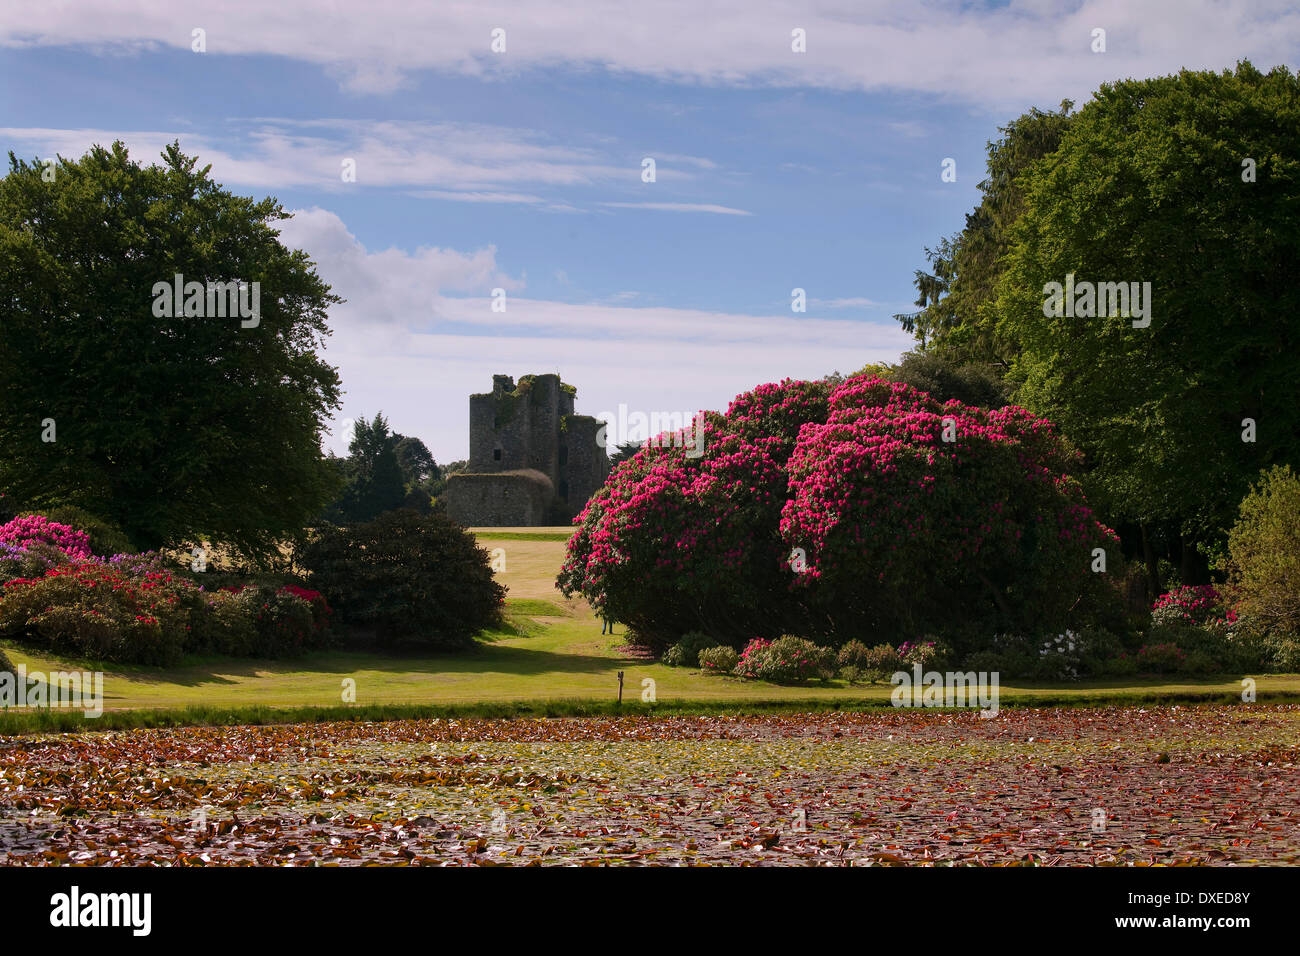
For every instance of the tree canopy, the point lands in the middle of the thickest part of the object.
(169, 425)
(1150, 184)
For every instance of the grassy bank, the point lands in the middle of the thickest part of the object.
(552, 661)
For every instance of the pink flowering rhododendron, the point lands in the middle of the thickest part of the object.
(37, 529)
(1190, 604)
(838, 511)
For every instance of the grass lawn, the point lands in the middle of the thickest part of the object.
(555, 653)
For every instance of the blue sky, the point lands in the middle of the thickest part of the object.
(522, 170)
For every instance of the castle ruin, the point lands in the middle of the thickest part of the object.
(532, 461)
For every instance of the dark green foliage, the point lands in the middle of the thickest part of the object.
(718, 660)
(406, 579)
(375, 483)
(625, 451)
(415, 460)
(1146, 186)
(943, 378)
(1263, 558)
(106, 539)
(686, 652)
(167, 427)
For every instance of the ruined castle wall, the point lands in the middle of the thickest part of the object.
(507, 499)
(587, 464)
(529, 430)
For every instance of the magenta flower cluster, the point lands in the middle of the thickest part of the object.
(812, 500)
(1190, 604)
(37, 529)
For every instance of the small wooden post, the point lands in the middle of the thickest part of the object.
(620, 688)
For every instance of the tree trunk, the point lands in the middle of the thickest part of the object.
(1153, 569)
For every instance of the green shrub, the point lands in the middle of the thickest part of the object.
(226, 624)
(870, 664)
(852, 654)
(1263, 559)
(1283, 652)
(1125, 665)
(718, 660)
(929, 652)
(408, 579)
(5, 666)
(1199, 662)
(989, 662)
(854, 675)
(1228, 648)
(880, 662)
(1097, 649)
(686, 652)
(1011, 655)
(786, 660)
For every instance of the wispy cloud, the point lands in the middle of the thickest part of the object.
(849, 303)
(680, 207)
(417, 334)
(983, 53)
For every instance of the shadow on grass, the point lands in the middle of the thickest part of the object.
(482, 658)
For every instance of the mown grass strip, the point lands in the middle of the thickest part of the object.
(73, 721)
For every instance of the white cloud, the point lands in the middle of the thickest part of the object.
(468, 159)
(404, 343)
(856, 302)
(1029, 51)
(680, 207)
(523, 198)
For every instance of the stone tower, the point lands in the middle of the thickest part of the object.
(532, 460)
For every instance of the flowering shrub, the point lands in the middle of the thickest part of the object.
(672, 544)
(857, 662)
(283, 622)
(146, 562)
(31, 561)
(37, 529)
(947, 518)
(718, 660)
(825, 510)
(1192, 604)
(320, 612)
(1060, 657)
(929, 654)
(105, 611)
(1160, 658)
(96, 611)
(786, 660)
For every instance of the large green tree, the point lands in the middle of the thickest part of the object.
(1190, 183)
(170, 426)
